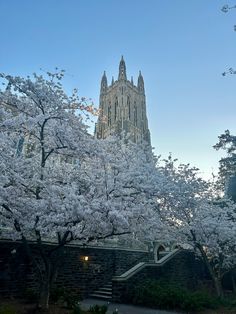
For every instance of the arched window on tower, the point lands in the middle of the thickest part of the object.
(116, 105)
(109, 115)
(129, 107)
(135, 114)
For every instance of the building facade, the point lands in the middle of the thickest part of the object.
(122, 108)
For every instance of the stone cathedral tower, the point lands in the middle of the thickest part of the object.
(123, 108)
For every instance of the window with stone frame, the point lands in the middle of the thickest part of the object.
(109, 115)
(129, 107)
(135, 114)
(116, 105)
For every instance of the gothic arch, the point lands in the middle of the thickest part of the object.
(109, 115)
(175, 246)
(157, 249)
(135, 114)
(116, 107)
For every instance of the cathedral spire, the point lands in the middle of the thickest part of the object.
(122, 70)
(104, 83)
(140, 82)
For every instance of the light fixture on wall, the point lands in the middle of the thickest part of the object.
(85, 258)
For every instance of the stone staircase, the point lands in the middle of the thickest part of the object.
(103, 293)
(138, 267)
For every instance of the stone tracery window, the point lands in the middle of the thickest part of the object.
(129, 107)
(116, 105)
(109, 115)
(135, 114)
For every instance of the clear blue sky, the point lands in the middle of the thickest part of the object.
(181, 46)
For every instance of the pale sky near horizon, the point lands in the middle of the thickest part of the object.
(181, 47)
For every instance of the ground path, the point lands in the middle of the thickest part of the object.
(123, 308)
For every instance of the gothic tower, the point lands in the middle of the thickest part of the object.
(123, 108)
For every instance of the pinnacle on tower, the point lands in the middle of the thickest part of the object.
(122, 70)
(104, 82)
(140, 82)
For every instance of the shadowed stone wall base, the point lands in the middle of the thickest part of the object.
(75, 274)
(183, 269)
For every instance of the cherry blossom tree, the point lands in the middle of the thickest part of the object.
(123, 176)
(227, 169)
(226, 8)
(57, 183)
(194, 219)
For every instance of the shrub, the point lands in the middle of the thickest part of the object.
(7, 309)
(56, 294)
(70, 301)
(77, 310)
(65, 297)
(199, 300)
(30, 295)
(229, 302)
(171, 296)
(97, 309)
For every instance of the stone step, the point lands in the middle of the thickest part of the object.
(101, 291)
(105, 292)
(101, 296)
(105, 289)
(108, 284)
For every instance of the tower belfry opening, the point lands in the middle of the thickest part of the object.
(122, 107)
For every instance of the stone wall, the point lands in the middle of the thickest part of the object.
(75, 274)
(183, 269)
(124, 260)
(80, 276)
(13, 269)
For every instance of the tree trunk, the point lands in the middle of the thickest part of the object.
(43, 303)
(46, 268)
(45, 284)
(51, 267)
(218, 287)
(233, 282)
(216, 279)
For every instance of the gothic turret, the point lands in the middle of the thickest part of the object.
(140, 82)
(104, 83)
(122, 70)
